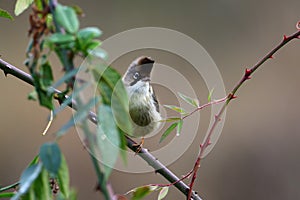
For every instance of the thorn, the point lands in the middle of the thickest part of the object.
(271, 57)
(248, 72)
(217, 118)
(5, 73)
(298, 26)
(232, 96)
(201, 146)
(209, 142)
(284, 37)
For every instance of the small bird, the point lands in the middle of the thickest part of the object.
(143, 105)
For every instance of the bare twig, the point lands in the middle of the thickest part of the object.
(144, 154)
(231, 95)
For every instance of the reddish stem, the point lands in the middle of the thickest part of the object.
(230, 96)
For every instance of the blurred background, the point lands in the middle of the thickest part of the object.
(257, 155)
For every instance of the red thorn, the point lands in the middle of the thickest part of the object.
(232, 96)
(248, 77)
(201, 146)
(298, 26)
(248, 72)
(271, 56)
(209, 142)
(284, 37)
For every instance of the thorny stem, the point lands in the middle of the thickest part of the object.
(144, 154)
(231, 95)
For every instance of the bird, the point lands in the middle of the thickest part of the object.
(143, 104)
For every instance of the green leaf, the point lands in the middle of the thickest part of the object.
(41, 186)
(32, 96)
(59, 38)
(179, 127)
(97, 52)
(46, 78)
(67, 18)
(176, 108)
(68, 101)
(7, 194)
(42, 81)
(141, 192)
(22, 5)
(193, 102)
(64, 178)
(27, 178)
(209, 95)
(80, 115)
(50, 156)
(5, 14)
(86, 34)
(168, 131)
(163, 193)
(108, 139)
(34, 161)
(171, 119)
(68, 75)
(113, 93)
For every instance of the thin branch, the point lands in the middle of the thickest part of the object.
(12, 186)
(144, 154)
(231, 95)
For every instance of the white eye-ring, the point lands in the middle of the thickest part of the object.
(136, 75)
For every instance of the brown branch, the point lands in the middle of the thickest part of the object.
(131, 144)
(231, 95)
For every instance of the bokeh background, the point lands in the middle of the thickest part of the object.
(257, 155)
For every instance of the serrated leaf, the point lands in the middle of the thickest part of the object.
(163, 193)
(50, 156)
(108, 139)
(209, 95)
(141, 192)
(64, 178)
(5, 14)
(176, 108)
(27, 178)
(59, 38)
(179, 127)
(80, 115)
(22, 5)
(189, 100)
(67, 18)
(168, 131)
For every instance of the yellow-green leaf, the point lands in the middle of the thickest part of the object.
(168, 131)
(22, 5)
(189, 100)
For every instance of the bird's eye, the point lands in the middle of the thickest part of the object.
(136, 75)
